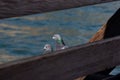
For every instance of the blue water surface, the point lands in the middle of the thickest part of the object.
(26, 36)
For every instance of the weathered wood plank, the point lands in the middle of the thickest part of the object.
(13, 8)
(66, 64)
(109, 30)
(98, 36)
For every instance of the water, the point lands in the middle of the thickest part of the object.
(25, 36)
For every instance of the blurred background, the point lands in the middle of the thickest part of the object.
(26, 36)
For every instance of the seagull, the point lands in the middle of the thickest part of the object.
(48, 48)
(59, 42)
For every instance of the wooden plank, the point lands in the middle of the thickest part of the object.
(98, 36)
(66, 64)
(109, 30)
(13, 8)
(102, 31)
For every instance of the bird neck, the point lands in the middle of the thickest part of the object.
(61, 42)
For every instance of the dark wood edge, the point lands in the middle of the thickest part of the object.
(65, 64)
(14, 8)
